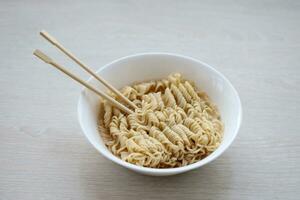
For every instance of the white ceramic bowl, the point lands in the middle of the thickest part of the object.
(148, 66)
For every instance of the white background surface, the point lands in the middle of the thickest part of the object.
(256, 44)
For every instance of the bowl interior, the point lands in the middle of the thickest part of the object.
(144, 67)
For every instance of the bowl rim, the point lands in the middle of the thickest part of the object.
(159, 171)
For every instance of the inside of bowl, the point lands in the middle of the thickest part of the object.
(156, 66)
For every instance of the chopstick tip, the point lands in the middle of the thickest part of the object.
(42, 56)
(48, 37)
(43, 32)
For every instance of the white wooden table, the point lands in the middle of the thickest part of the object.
(256, 44)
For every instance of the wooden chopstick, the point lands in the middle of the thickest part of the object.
(48, 60)
(53, 41)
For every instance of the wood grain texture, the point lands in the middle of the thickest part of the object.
(256, 44)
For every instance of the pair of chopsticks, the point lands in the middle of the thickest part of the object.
(48, 60)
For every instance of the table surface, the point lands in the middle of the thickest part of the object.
(256, 44)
